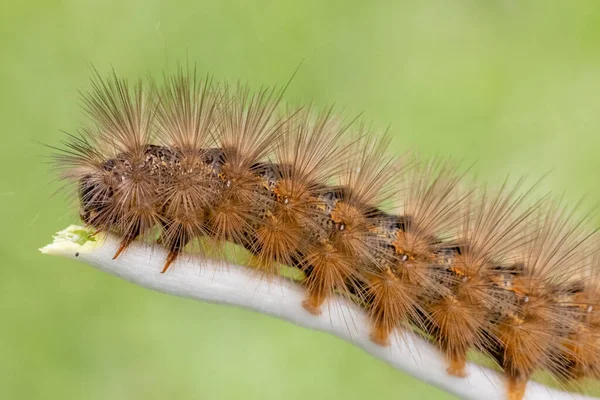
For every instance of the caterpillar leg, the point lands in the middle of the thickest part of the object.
(96, 232)
(172, 256)
(455, 331)
(132, 231)
(391, 304)
(320, 279)
(516, 387)
(313, 303)
(127, 240)
(175, 237)
(456, 356)
(457, 367)
(381, 335)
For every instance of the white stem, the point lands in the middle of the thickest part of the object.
(236, 285)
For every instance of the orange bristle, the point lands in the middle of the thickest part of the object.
(397, 282)
(533, 330)
(348, 232)
(581, 349)
(307, 152)
(246, 132)
(460, 313)
(123, 118)
(186, 170)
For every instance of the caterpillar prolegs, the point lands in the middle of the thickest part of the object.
(192, 164)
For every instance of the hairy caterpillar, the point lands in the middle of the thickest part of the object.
(192, 163)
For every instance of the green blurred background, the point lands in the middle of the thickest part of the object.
(513, 85)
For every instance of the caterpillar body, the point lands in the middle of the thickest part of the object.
(193, 165)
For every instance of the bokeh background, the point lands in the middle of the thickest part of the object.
(513, 85)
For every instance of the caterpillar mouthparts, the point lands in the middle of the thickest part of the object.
(192, 165)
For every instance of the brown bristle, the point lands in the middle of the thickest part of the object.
(581, 349)
(533, 331)
(246, 132)
(492, 227)
(307, 155)
(404, 274)
(347, 236)
(185, 166)
(187, 111)
(123, 114)
(122, 190)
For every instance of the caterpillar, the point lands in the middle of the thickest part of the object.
(196, 166)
